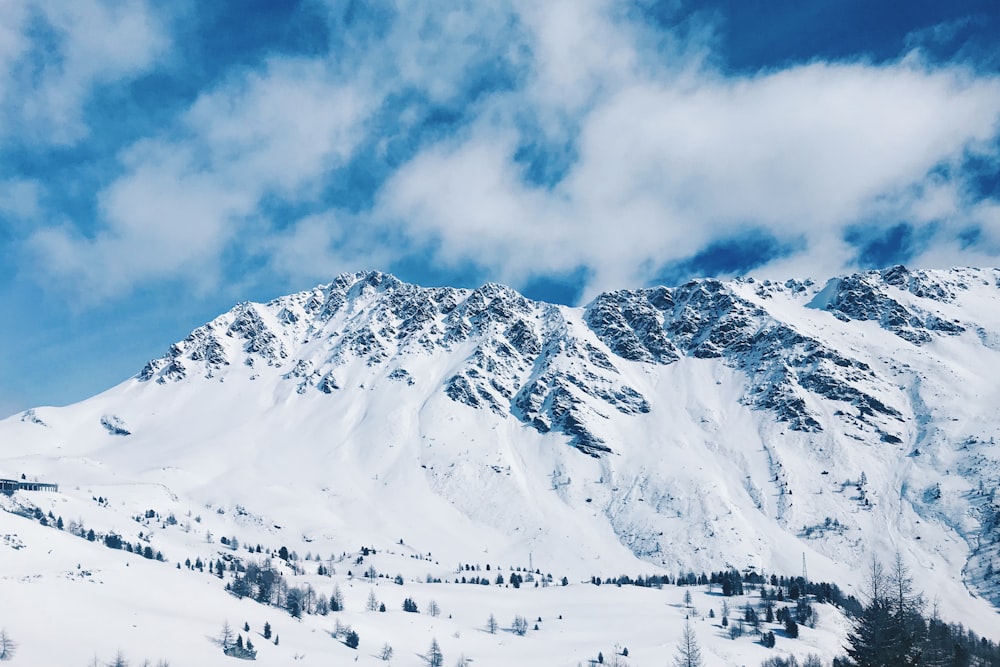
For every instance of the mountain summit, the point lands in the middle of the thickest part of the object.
(712, 424)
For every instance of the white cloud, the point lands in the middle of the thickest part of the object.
(668, 154)
(280, 128)
(318, 246)
(53, 54)
(181, 203)
(160, 220)
(666, 166)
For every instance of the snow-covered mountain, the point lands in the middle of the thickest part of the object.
(713, 424)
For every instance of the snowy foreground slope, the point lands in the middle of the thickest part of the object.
(702, 427)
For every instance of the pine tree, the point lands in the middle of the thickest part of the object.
(906, 625)
(434, 656)
(688, 651)
(870, 644)
(890, 629)
(386, 653)
(491, 624)
(267, 630)
(337, 599)
(7, 646)
(372, 601)
(293, 602)
(351, 640)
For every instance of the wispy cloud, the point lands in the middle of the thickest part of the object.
(529, 140)
(54, 54)
(182, 199)
(665, 168)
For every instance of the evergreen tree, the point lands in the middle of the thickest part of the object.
(293, 602)
(7, 646)
(337, 599)
(890, 629)
(119, 660)
(386, 653)
(870, 644)
(267, 630)
(434, 656)
(906, 624)
(352, 639)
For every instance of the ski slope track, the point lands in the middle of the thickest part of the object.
(710, 425)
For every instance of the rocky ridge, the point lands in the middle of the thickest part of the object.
(557, 369)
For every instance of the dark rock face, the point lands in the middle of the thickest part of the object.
(114, 425)
(864, 297)
(630, 324)
(559, 369)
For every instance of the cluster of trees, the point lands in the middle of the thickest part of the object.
(114, 541)
(811, 660)
(110, 540)
(260, 581)
(646, 581)
(237, 648)
(121, 661)
(892, 629)
(732, 582)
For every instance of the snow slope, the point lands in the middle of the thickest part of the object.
(709, 425)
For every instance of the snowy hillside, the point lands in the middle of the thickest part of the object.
(711, 425)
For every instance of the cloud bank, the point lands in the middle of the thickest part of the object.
(518, 143)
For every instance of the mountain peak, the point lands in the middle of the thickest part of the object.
(742, 420)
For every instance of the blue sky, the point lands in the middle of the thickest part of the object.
(160, 162)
